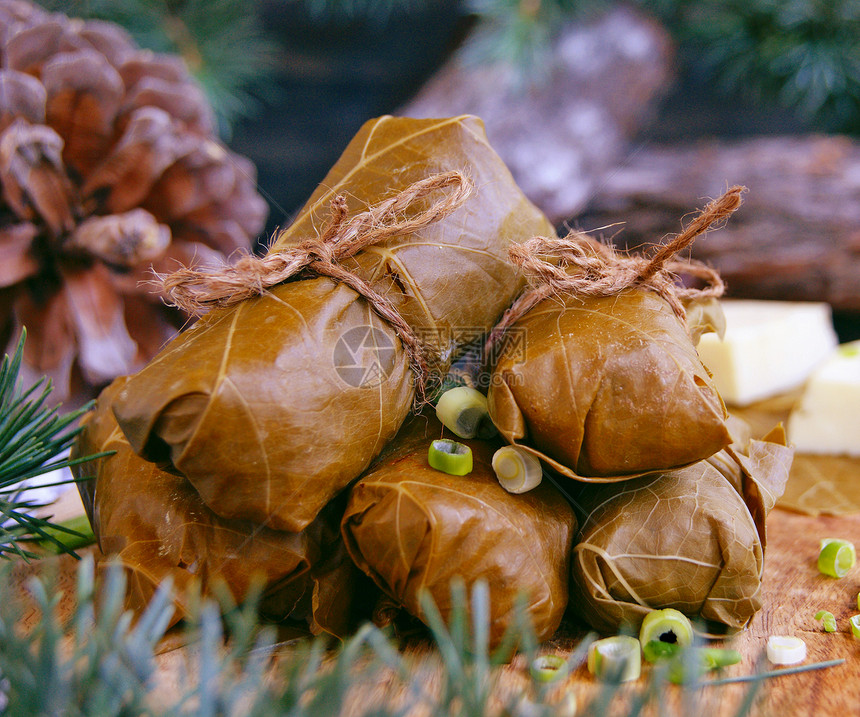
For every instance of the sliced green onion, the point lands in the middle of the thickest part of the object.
(718, 657)
(836, 557)
(829, 621)
(73, 534)
(689, 663)
(667, 625)
(450, 457)
(854, 621)
(785, 650)
(548, 668)
(615, 659)
(517, 470)
(463, 411)
(656, 650)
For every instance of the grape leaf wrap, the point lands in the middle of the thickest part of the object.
(156, 524)
(606, 388)
(692, 539)
(272, 406)
(412, 528)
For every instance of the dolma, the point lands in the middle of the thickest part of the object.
(159, 528)
(606, 388)
(598, 374)
(412, 528)
(271, 407)
(692, 539)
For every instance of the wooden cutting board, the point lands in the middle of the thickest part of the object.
(793, 591)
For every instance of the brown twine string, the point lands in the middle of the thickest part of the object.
(196, 291)
(599, 270)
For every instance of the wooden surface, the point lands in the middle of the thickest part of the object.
(793, 591)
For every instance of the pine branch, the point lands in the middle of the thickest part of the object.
(103, 662)
(802, 55)
(33, 439)
(519, 33)
(221, 42)
(374, 11)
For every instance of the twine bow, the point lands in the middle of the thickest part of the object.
(583, 266)
(195, 291)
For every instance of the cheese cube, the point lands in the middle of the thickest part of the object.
(770, 347)
(827, 419)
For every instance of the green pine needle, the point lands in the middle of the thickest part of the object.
(801, 54)
(103, 662)
(221, 42)
(33, 439)
(373, 11)
(519, 33)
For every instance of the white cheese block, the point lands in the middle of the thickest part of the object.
(770, 347)
(827, 419)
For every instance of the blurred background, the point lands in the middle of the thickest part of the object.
(607, 112)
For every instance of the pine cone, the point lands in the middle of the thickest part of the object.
(109, 167)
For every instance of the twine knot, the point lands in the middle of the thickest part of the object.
(579, 265)
(195, 291)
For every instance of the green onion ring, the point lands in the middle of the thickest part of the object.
(836, 557)
(548, 668)
(517, 470)
(463, 411)
(667, 625)
(450, 457)
(616, 659)
(829, 621)
(785, 650)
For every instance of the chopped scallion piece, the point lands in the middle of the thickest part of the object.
(717, 657)
(463, 411)
(72, 534)
(655, 650)
(450, 457)
(548, 668)
(688, 666)
(785, 650)
(828, 620)
(689, 663)
(836, 557)
(615, 659)
(517, 470)
(667, 625)
(854, 621)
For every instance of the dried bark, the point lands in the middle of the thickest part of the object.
(795, 238)
(560, 134)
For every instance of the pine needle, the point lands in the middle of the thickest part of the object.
(221, 42)
(33, 439)
(103, 662)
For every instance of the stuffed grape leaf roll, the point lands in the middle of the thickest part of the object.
(272, 406)
(159, 528)
(692, 539)
(412, 528)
